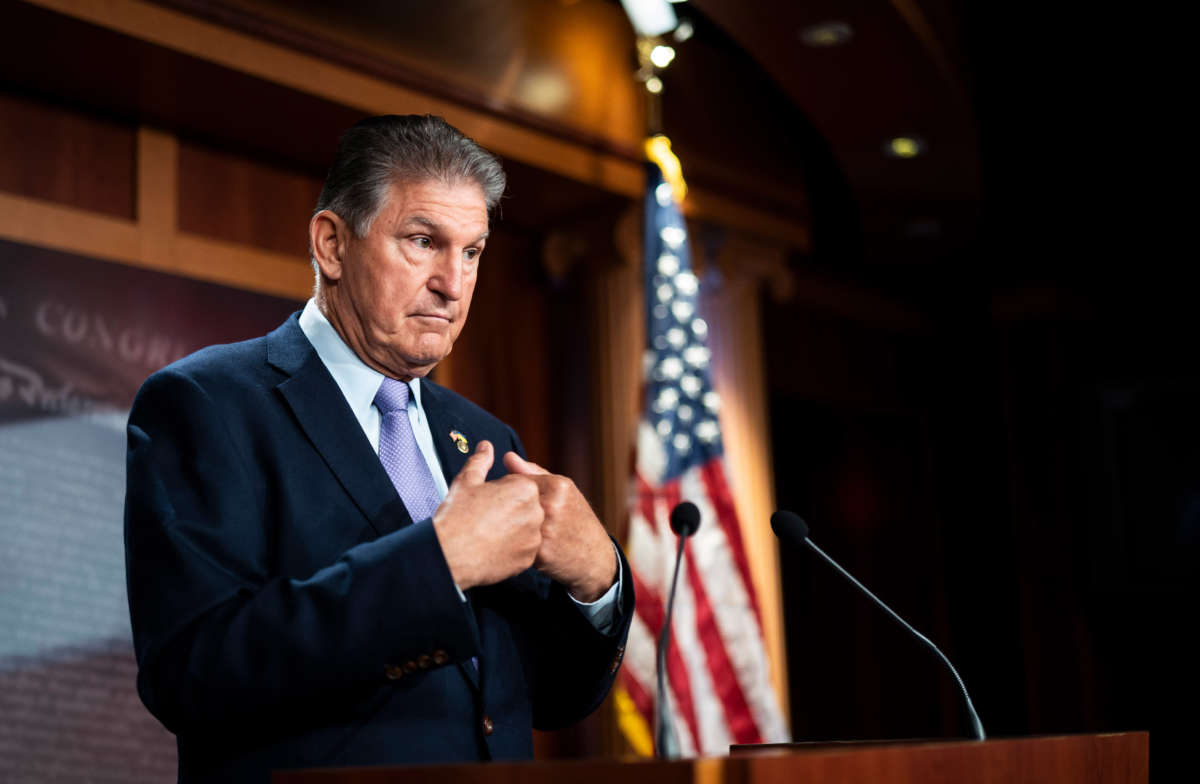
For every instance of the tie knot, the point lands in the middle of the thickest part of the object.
(392, 396)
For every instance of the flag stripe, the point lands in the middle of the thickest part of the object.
(640, 665)
(718, 494)
(648, 605)
(739, 628)
(645, 498)
(729, 691)
(651, 612)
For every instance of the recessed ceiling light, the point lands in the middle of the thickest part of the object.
(825, 34)
(904, 147)
(922, 228)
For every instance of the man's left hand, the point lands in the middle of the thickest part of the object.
(576, 550)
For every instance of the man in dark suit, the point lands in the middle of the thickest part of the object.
(318, 572)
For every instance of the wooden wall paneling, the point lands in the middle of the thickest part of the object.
(162, 31)
(562, 67)
(153, 240)
(157, 193)
(108, 73)
(616, 334)
(618, 339)
(165, 248)
(284, 66)
(501, 358)
(239, 266)
(237, 199)
(58, 155)
(35, 222)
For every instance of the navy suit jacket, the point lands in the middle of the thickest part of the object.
(286, 610)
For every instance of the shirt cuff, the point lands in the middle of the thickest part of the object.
(601, 613)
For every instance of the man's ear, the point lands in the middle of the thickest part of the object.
(327, 236)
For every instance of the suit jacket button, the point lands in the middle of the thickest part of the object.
(424, 662)
(393, 672)
(440, 657)
(488, 726)
(410, 666)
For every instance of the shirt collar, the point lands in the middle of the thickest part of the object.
(358, 382)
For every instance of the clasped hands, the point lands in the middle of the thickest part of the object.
(489, 531)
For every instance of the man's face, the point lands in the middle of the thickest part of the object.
(406, 287)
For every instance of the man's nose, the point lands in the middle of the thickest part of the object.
(447, 277)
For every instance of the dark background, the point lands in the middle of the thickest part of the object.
(1019, 474)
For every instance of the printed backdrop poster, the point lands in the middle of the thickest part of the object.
(77, 338)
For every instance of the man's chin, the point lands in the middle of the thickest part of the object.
(413, 358)
(421, 364)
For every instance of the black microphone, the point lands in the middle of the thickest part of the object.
(685, 519)
(792, 529)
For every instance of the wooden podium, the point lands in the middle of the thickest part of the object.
(1112, 758)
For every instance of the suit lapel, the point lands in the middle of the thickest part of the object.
(326, 418)
(443, 422)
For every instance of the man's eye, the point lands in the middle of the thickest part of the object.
(471, 253)
(423, 242)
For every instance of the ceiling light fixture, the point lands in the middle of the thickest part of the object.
(662, 56)
(826, 34)
(904, 147)
(650, 17)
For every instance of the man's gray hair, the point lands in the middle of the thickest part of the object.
(379, 151)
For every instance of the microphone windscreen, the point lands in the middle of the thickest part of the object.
(789, 527)
(685, 519)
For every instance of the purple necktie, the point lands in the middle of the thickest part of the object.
(398, 451)
(402, 458)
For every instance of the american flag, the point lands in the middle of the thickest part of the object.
(720, 689)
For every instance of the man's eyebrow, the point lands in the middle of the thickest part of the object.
(423, 221)
(436, 227)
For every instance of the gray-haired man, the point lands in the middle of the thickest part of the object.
(319, 574)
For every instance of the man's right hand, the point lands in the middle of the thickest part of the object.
(488, 531)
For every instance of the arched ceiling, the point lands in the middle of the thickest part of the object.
(756, 115)
(754, 112)
(903, 72)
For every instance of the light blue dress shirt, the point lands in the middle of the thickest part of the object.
(359, 383)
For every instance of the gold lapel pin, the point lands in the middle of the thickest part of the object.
(460, 441)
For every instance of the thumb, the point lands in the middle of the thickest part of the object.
(519, 465)
(475, 470)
